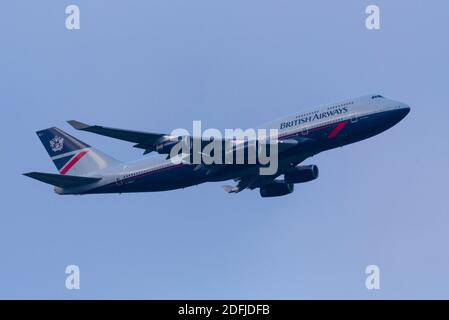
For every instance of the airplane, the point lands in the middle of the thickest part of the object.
(86, 170)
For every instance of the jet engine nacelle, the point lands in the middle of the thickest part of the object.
(276, 189)
(302, 174)
(166, 146)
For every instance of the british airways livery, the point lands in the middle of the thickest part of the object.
(86, 170)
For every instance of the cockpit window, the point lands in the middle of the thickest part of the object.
(377, 97)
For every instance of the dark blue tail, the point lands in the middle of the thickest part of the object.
(71, 154)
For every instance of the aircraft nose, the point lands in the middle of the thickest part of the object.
(400, 111)
(405, 109)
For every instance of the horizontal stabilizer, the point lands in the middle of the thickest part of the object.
(59, 180)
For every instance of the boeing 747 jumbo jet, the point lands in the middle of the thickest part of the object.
(86, 170)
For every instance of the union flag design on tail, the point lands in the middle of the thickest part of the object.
(71, 155)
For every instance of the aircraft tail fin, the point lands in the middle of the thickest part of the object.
(59, 180)
(71, 155)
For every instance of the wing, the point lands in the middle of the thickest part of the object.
(148, 141)
(252, 181)
(162, 143)
(249, 182)
(144, 140)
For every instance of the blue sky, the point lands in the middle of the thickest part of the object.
(158, 65)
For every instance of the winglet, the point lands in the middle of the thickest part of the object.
(78, 125)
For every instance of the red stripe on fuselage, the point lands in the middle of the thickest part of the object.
(302, 132)
(337, 129)
(72, 162)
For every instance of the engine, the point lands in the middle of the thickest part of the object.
(165, 147)
(302, 174)
(276, 189)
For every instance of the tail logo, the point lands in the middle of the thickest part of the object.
(57, 143)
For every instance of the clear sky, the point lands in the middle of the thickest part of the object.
(158, 65)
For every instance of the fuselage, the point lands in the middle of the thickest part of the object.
(325, 127)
